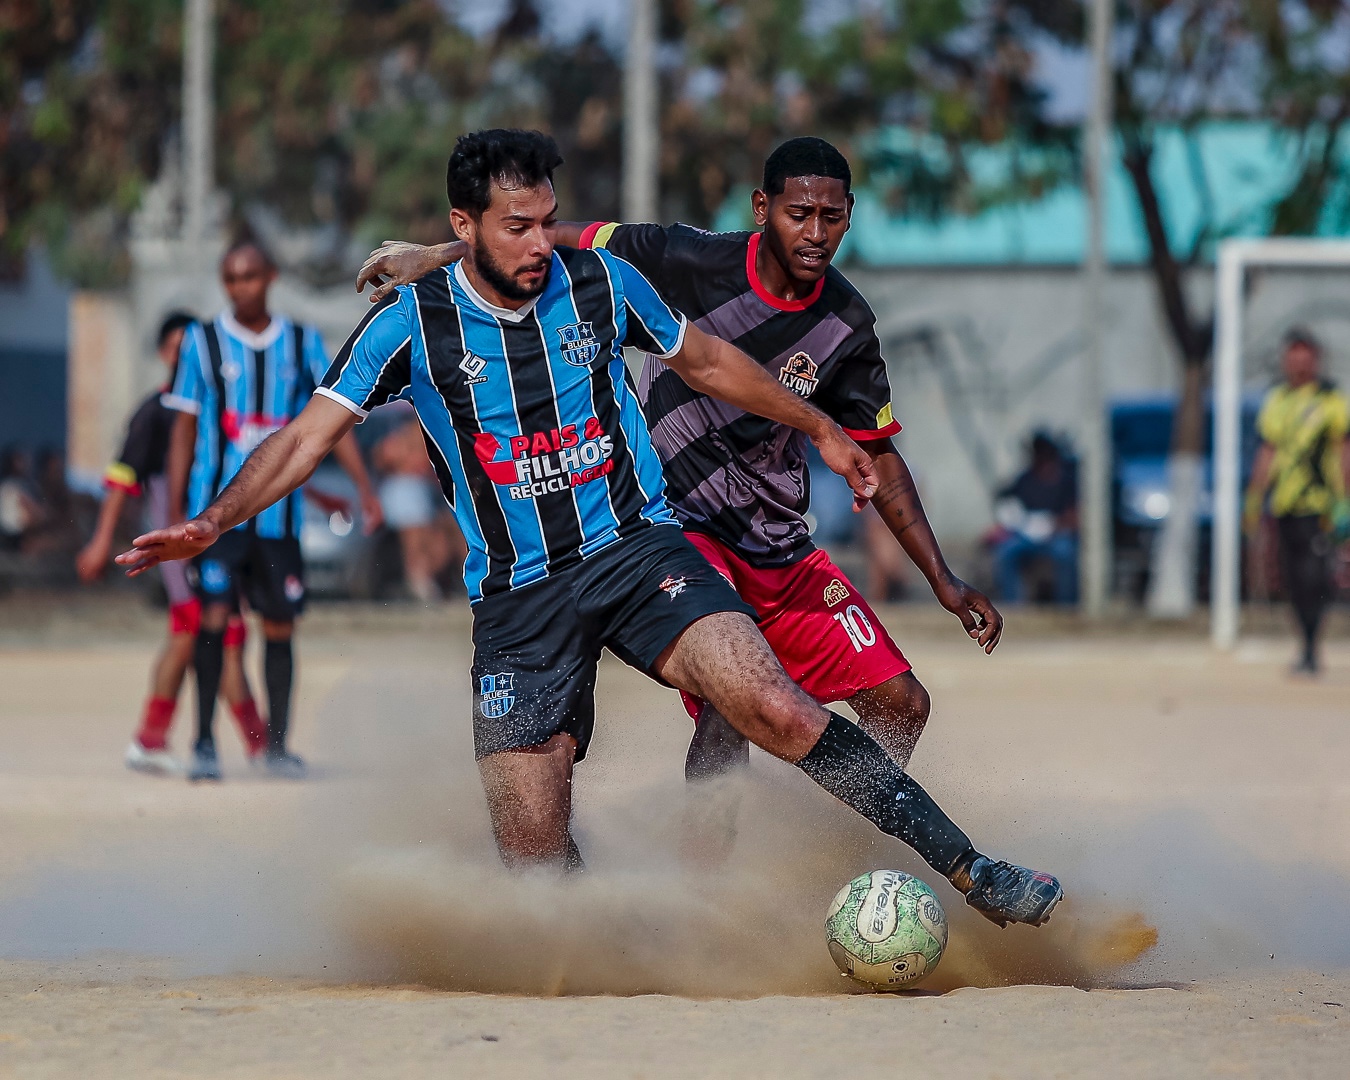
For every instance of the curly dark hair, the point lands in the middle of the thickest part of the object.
(508, 156)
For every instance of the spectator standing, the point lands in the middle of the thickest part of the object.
(1303, 469)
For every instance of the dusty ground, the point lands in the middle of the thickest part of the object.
(350, 926)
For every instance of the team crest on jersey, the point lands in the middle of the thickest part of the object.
(836, 592)
(799, 374)
(496, 695)
(673, 586)
(473, 366)
(230, 370)
(580, 346)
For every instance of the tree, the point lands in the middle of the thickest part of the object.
(754, 72)
(334, 120)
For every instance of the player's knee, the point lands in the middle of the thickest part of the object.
(277, 631)
(786, 716)
(214, 618)
(917, 702)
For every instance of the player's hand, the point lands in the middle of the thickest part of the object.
(91, 560)
(395, 263)
(182, 541)
(976, 611)
(372, 513)
(850, 461)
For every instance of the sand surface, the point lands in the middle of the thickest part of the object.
(358, 924)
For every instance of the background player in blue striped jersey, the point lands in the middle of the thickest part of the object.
(242, 376)
(514, 362)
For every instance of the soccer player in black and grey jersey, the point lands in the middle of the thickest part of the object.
(557, 344)
(739, 483)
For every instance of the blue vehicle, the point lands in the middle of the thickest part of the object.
(1141, 439)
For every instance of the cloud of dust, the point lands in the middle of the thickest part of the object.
(395, 880)
(1153, 902)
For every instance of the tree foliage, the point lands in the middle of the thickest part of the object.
(334, 117)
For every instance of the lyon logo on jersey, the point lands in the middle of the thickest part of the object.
(799, 374)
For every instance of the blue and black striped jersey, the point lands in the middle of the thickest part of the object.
(243, 386)
(530, 417)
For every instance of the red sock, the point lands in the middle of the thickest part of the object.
(158, 716)
(251, 725)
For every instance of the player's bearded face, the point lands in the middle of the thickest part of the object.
(513, 241)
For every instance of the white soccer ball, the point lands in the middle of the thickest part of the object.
(886, 929)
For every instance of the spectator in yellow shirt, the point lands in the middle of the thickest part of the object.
(1302, 470)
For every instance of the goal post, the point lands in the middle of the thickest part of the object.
(1235, 258)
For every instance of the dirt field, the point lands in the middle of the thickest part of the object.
(358, 925)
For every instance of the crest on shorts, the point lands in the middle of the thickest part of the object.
(214, 577)
(836, 592)
(673, 586)
(799, 374)
(579, 345)
(496, 695)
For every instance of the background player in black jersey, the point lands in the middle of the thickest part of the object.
(739, 483)
(139, 471)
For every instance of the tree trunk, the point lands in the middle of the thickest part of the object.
(1172, 576)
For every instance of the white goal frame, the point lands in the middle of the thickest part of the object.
(1235, 258)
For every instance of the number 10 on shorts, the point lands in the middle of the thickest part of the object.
(857, 626)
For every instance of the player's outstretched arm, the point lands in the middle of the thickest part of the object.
(721, 370)
(897, 501)
(280, 464)
(398, 262)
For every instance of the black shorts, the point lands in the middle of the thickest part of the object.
(536, 648)
(269, 574)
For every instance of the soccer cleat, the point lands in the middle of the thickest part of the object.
(205, 765)
(1005, 893)
(155, 762)
(284, 765)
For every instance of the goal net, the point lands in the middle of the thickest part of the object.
(1263, 287)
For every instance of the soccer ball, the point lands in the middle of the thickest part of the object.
(886, 929)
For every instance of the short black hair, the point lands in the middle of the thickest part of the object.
(805, 156)
(1301, 336)
(244, 243)
(177, 320)
(509, 156)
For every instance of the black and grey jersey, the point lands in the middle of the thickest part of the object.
(739, 477)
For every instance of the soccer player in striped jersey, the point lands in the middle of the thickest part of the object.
(139, 471)
(514, 362)
(242, 376)
(738, 482)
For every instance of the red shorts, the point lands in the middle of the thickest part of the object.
(823, 632)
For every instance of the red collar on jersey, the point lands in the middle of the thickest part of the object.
(751, 251)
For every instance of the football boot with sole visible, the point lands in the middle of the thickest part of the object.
(1005, 893)
(155, 762)
(205, 764)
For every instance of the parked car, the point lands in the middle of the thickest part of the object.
(1141, 440)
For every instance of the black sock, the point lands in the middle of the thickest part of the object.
(278, 671)
(852, 766)
(208, 657)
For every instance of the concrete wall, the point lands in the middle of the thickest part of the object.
(978, 358)
(981, 358)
